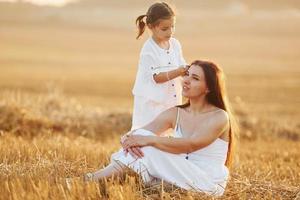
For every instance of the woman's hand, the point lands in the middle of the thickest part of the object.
(126, 135)
(135, 152)
(136, 141)
(132, 144)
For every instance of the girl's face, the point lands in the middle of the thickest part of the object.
(164, 30)
(194, 84)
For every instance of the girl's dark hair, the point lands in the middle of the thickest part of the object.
(217, 96)
(155, 13)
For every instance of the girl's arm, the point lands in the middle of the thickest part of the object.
(166, 76)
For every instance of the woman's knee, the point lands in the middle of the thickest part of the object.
(143, 132)
(151, 151)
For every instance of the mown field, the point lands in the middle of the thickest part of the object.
(65, 94)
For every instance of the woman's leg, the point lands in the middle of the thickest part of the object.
(113, 169)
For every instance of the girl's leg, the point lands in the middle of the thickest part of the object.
(113, 169)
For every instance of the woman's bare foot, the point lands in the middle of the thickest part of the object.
(85, 178)
(88, 177)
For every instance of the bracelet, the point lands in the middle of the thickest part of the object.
(168, 76)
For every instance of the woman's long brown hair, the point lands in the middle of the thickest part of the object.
(217, 96)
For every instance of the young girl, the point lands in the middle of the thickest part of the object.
(157, 86)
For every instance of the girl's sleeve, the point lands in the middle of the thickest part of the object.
(181, 58)
(147, 62)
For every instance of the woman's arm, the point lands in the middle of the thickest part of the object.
(162, 122)
(166, 76)
(209, 133)
(171, 145)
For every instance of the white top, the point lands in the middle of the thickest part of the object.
(153, 60)
(216, 152)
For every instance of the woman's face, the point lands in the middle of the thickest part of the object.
(164, 30)
(194, 84)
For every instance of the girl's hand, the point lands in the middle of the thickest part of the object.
(184, 69)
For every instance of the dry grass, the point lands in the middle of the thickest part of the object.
(65, 94)
(59, 137)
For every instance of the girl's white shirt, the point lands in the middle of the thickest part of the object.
(153, 60)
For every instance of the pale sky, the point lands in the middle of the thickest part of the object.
(44, 2)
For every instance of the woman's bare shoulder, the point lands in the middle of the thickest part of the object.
(170, 114)
(220, 117)
(172, 111)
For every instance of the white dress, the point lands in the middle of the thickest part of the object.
(151, 98)
(203, 170)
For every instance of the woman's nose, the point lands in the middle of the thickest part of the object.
(186, 80)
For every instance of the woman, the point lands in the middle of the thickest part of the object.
(198, 155)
